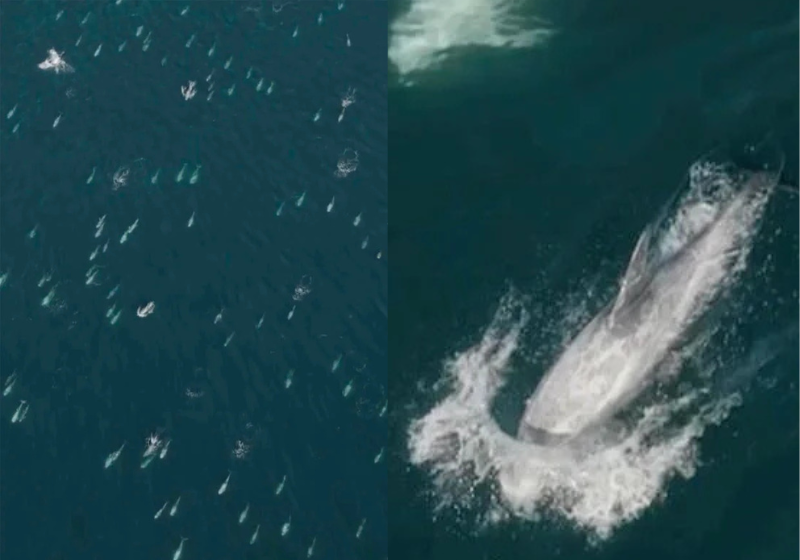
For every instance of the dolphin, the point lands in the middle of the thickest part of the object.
(663, 292)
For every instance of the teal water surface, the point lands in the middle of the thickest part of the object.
(538, 168)
(263, 362)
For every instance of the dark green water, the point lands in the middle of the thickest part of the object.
(539, 168)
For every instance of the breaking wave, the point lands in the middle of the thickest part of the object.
(610, 474)
(429, 31)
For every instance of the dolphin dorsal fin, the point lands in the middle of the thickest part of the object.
(633, 280)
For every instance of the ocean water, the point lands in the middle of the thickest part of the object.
(257, 231)
(531, 145)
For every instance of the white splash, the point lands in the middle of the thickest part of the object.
(609, 470)
(424, 36)
(348, 163)
(188, 91)
(55, 62)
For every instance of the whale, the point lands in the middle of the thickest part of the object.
(680, 265)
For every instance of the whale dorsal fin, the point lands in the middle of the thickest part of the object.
(634, 279)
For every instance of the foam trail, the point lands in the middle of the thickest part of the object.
(423, 36)
(609, 469)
